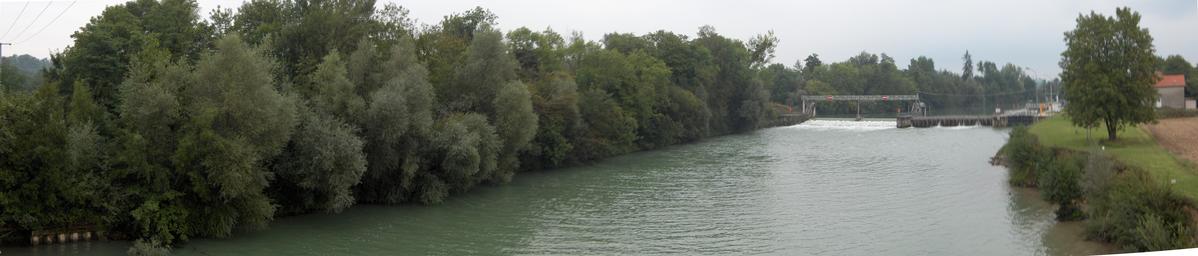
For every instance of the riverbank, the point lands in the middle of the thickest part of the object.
(1136, 148)
(1132, 192)
(826, 187)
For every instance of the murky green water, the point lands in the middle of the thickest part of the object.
(821, 188)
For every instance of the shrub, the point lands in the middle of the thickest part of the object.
(1156, 234)
(1139, 213)
(148, 248)
(1024, 156)
(1175, 113)
(1060, 183)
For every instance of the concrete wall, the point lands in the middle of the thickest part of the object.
(1172, 97)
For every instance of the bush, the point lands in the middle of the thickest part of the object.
(1155, 234)
(1139, 213)
(1060, 183)
(1024, 156)
(1175, 113)
(148, 248)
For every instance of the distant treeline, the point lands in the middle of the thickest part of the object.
(943, 91)
(21, 72)
(165, 126)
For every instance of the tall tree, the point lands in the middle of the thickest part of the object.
(1108, 68)
(811, 63)
(238, 120)
(102, 49)
(319, 166)
(331, 93)
(397, 126)
(516, 125)
(488, 66)
(761, 49)
(967, 67)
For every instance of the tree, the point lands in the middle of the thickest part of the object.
(487, 67)
(331, 93)
(811, 63)
(443, 47)
(237, 121)
(102, 49)
(607, 130)
(1108, 68)
(397, 127)
(538, 53)
(516, 125)
(13, 80)
(558, 120)
(967, 68)
(1060, 183)
(321, 163)
(761, 49)
(466, 151)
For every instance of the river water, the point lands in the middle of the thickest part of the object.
(825, 187)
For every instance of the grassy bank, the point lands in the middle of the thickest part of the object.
(1135, 148)
(1121, 189)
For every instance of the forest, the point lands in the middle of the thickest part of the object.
(162, 125)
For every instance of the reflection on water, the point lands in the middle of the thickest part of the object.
(1058, 238)
(825, 187)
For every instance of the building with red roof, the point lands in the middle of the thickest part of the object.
(1171, 90)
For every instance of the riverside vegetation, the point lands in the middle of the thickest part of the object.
(1130, 191)
(1122, 202)
(160, 126)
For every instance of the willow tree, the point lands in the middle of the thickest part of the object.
(331, 92)
(487, 67)
(322, 162)
(237, 120)
(397, 124)
(516, 125)
(1108, 69)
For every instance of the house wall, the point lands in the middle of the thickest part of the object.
(1172, 97)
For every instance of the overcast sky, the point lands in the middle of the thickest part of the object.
(1024, 32)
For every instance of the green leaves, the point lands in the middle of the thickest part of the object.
(487, 67)
(1108, 71)
(331, 93)
(324, 160)
(516, 125)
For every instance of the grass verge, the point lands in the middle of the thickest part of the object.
(1135, 147)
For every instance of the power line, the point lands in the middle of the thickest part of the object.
(39, 31)
(15, 19)
(39, 15)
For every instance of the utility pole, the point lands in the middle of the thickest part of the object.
(2, 87)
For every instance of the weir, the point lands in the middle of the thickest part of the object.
(916, 114)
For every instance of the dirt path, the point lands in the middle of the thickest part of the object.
(1178, 135)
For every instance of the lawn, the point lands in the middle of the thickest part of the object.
(1135, 147)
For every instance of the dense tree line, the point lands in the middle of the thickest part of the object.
(166, 126)
(943, 91)
(21, 72)
(163, 126)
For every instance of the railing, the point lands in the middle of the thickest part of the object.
(860, 97)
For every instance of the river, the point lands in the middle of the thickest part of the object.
(825, 187)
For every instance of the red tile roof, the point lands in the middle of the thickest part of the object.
(1171, 81)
